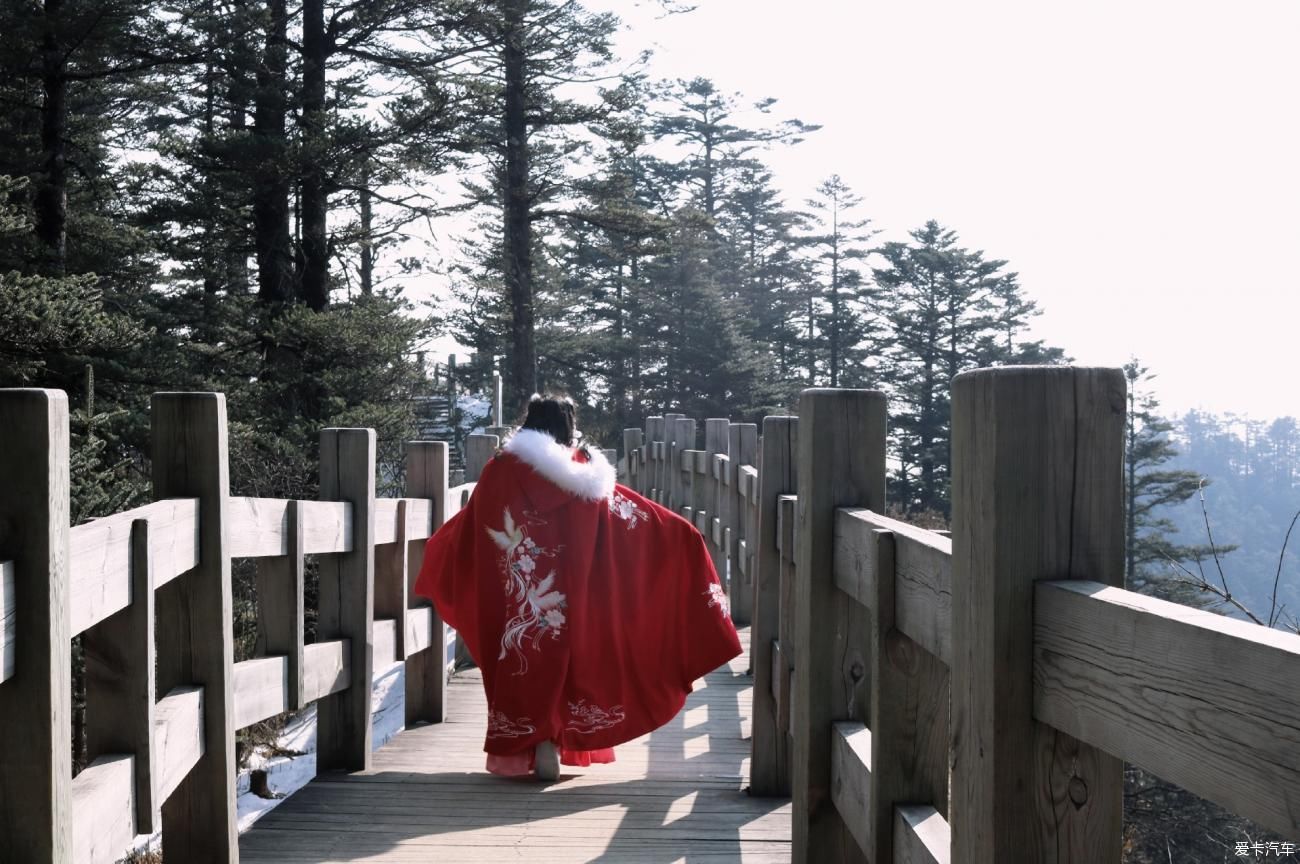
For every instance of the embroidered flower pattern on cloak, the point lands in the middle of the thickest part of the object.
(587, 718)
(718, 597)
(625, 508)
(538, 608)
(501, 726)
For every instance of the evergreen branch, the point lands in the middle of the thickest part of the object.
(1278, 576)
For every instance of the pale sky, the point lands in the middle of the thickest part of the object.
(1138, 163)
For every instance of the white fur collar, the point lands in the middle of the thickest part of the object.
(593, 480)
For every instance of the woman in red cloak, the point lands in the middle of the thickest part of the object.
(589, 609)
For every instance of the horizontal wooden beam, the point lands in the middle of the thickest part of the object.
(747, 477)
(259, 527)
(178, 737)
(100, 556)
(419, 629)
(261, 688)
(1203, 701)
(384, 639)
(921, 836)
(457, 498)
(103, 810)
(8, 607)
(326, 668)
(922, 575)
(419, 519)
(851, 778)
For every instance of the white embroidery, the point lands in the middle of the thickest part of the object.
(501, 726)
(718, 597)
(587, 719)
(539, 610)
(625, 508)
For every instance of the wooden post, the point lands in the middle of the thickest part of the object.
(1037, 494)
(841, 463)
(479, 450)
(683, 440)
(347, 599)
(120, 683)
(770, 765)
(195, 644)
(717, 441)
(742, 449)
(426, 671)
(392, 582)
(280, 604)
(909, 714)
(36, 703)
(498, 417)
(632, 455)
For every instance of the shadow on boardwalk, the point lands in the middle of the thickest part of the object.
(674, 795)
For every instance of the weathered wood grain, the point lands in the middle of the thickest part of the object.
(785, 636)
(326, 668)
(1037, 494)
(392, 583)
(259, 527)
(426, 668)
(261, 689)
(922, 575)
(419, 517)
(419, 629)
(8, 619)
(103, 810)
(101, 556)
(347, 599)
(36, 701)
(909, 709)
(194, 622)
(385, 639)
(281, 604)
(742, 449)
(921, 836)
(841, 464)
(852, 784)
(779, 459)
(119, 670)
(1205, 702)
(178, 737)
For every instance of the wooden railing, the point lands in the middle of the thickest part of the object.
(973, 699)
(149, 592)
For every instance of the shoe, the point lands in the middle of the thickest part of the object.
(546, 761)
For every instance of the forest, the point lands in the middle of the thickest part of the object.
(232, 195)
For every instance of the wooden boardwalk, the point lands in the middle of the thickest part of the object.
(676, 794)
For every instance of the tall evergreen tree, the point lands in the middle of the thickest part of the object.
(836, 244)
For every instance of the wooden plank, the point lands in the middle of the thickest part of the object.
(633, 441)
(347, 598)
(852, 785)
(909, 708)
(103, 810)
(119, 658)
(419, 518)
(101, 556)
(392, 582)
(921, 836)
(281, 605)
(1163, 686)
(770, 769)
(8, 608)
(419, 629)
(178, 737)
(479, 450)
(742, 449)
(785, 634)
(36, 701)
(386, 520)
(328, 527)
(194, 623)
(682, 438)
(841, 463)
(259, 527)
(261, 689)
(1037, 455)
(922, 580)
(385, 637)
(426, 667)
(326, 668)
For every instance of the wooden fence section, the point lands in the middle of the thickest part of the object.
(973, 698)
(162, 572)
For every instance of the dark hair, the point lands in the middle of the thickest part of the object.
(557, 416)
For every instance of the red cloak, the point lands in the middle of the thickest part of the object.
(589, 609)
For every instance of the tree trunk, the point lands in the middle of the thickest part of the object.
(367, 236)
(271, 182)
(518, 230)
(52, 194)
(315, 196)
